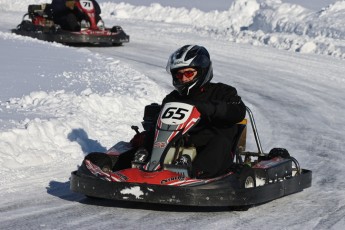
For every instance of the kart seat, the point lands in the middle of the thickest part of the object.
(239, 142)
(240, 138)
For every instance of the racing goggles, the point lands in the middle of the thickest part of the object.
(187, 74)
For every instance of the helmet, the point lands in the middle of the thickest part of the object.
(190, 56)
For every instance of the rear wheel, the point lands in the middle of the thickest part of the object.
(26, 25)
(247, 178)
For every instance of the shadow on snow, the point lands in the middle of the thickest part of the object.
(87, 145)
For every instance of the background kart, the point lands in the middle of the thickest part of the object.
(38, 23)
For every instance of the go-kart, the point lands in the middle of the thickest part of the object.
(124, 173)
(38, 23)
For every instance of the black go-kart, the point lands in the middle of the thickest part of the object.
(38, 23)
(128, 174)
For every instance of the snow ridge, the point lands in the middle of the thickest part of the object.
(258, 22)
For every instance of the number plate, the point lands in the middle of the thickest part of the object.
(87, 5)
(175, 113)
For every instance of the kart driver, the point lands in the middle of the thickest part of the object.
(66, 14)
(219, 105)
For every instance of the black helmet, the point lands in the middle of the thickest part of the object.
(190, 56)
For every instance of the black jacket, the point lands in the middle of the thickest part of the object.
(220, 109)
(58, 8)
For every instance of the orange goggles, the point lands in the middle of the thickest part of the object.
(187, 74)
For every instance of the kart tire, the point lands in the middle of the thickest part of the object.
(278, 152)
(247, 178)
(26, 26)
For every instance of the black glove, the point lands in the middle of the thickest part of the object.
(212, 110)
(206, 109)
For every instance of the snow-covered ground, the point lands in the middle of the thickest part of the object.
(58, 103)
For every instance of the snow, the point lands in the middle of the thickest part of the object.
(58, 103)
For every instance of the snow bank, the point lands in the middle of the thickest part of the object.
(258, 22)
(98, 100)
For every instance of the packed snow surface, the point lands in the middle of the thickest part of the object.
(58, 103)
